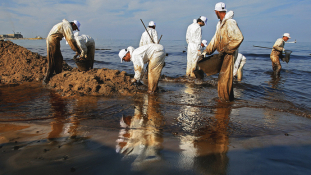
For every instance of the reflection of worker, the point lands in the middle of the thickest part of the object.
(154, 54)
(193, 38)
(226, 40)
(145, 38)
(54, 55)
(141, 135)
(238, 66)
(86, 45)
(276, 52)
(206, 147)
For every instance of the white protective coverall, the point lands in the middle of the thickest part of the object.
(155, 55)
(226, 40)
(54, 55)
(194, 39)
(86, 45)
(145, 39)
(276, 52)
(238, 66)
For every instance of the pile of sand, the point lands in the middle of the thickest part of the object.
(18, 65)
(93, 82)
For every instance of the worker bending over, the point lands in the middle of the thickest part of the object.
(86, 45)
(276, 53)
(238, 66)
(154, 54)
(194, 40)
(54, 55)
(226, 41)
(145, 38)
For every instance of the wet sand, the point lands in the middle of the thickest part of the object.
(176, 131)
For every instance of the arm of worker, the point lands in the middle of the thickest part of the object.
(235, 37)
(68, 34)
(141, 42)
(82, 47)
(138, 66)
(155, 36)
(277, 45)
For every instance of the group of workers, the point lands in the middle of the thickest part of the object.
(226, 41)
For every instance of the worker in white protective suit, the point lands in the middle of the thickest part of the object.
(54, 55)
(226, 41)
(154, 54)
(145, 38)
(238, 66)
(276, 53)
(86, 45)
(194, 40)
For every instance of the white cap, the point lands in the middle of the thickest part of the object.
(151, 23)
(204, 19)
(221, 7)
(122, 53)
(77, 24)
(287, 35)
(204, 42)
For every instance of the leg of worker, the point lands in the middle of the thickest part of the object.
(50, 59)
(58, 59)
(276, 65)
(189, 62)
(156, 65)
(240, 70)
(91, 54)
(225, 79)
(194, 65)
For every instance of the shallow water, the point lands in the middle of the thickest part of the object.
(266, 130)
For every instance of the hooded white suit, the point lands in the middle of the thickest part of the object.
(194, 39)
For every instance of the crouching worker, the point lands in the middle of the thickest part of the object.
(54, 55)
(154, 54)
(86, 45)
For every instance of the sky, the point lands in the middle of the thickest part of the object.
(259, 20)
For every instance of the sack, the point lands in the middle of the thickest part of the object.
(211, 65)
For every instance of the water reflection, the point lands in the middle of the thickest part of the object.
(206, 149)
(275, 81)
(141, 137)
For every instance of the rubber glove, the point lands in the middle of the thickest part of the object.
(204, 54)
(133, 80)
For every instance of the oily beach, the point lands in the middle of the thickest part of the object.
(96, 122)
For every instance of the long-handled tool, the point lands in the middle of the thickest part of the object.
(262, 47)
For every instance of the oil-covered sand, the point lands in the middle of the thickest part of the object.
(181, 129)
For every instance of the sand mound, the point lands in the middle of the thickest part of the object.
(18, 65)
(93, 82)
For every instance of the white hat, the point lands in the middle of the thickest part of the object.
(151, 23)
(204, 42)
(204, 19)
(221, 7)
(287, 35)
(77, 24)
(122, 53)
